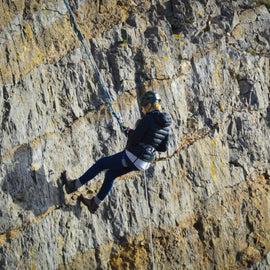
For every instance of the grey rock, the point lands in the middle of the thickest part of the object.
(208, 195)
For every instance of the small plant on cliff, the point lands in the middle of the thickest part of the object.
(122, 43)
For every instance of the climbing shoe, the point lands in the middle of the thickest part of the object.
(90, 203)
(70, 184)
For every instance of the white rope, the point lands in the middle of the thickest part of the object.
(149, 221)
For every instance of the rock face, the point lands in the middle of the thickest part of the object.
(209, 195)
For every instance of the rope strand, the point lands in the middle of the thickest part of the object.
(94, 66)
(149, 222)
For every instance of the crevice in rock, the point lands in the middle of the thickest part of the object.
(199, 228)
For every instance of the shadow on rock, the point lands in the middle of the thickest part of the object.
(29, 188)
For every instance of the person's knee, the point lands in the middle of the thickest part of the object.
(101, 163)
(109, 176)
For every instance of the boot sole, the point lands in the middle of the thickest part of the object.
(82, 199)
(63, 177)
(64, 182)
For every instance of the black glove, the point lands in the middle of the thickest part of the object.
(125, 128)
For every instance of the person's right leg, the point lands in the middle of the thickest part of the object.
(117, 168)
(110, 176)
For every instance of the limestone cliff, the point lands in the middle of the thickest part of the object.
(208, 196)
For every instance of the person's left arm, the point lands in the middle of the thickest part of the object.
(135, 135)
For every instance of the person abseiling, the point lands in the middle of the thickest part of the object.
(150, 135)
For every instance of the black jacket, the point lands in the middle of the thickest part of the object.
(150, 135)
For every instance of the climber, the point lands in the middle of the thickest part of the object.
(151, 134)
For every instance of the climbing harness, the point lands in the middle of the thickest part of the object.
(94, 66)
(149, 222)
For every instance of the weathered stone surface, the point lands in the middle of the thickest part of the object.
(208, 196)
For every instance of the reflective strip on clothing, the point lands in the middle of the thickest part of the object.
(140, 164)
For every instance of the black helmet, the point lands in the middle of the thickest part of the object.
(149, 97)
